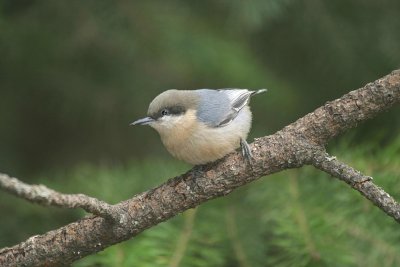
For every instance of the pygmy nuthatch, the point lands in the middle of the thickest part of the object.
(201, 126)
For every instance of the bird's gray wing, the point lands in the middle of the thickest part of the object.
(219, 107)
(238, 97)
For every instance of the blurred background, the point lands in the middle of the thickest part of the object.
(74, 74)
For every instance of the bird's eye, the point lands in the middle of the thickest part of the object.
(164, 112)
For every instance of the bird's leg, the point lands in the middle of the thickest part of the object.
(246, 151)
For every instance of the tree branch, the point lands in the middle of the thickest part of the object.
(45, 196)
(299, 143)
(359, 182)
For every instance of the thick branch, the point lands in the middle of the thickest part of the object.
(293, 146)
(339, 115)
(359, 182)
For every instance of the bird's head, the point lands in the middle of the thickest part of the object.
(170, 111)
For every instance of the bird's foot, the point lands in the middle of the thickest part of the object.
(246, 151)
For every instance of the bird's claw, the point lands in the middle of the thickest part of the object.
(246, 151)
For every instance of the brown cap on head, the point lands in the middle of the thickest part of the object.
(175, 101)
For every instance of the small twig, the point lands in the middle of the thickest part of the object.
(184, 238)
(302, 220)
(359, 182)
(45, 196)
(232, 230)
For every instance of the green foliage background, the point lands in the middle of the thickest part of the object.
(73, 74)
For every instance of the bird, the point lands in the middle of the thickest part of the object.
(204, 125)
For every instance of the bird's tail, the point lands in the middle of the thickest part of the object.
(259, 91)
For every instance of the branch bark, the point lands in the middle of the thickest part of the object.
(359, 182)
(48, 197)
(298, 144)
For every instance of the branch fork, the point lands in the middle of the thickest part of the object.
(298, 144)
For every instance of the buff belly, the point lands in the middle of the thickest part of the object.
(199, 144)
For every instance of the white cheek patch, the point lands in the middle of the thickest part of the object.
(169, 121)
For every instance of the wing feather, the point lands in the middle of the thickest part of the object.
(238, 98)
(219, 107)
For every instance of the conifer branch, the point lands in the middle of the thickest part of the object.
(359, 182)
(183, 239)
(302, 220)
(296, 145)
(231, 228)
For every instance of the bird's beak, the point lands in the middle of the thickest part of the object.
(143, 121)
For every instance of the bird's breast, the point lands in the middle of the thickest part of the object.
(197, 143)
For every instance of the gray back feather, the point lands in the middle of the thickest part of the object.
(219, 107)
(213, 107)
